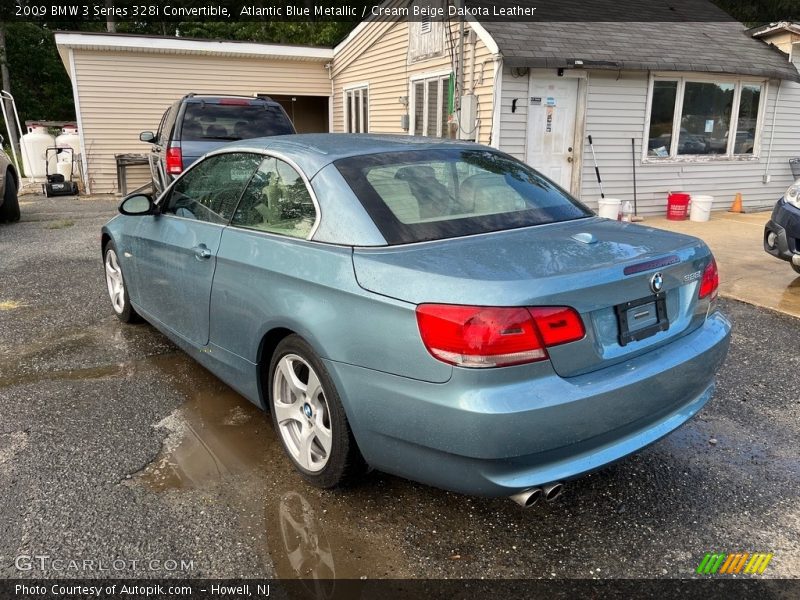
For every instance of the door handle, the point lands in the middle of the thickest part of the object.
(202, 252)
(569, 159)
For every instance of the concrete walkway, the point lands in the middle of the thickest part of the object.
(747, 273)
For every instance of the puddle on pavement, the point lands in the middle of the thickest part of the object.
(218, 440)
(214, 434)
(64, 354)
(120, 370)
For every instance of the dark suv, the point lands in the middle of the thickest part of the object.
(197, 124)
(782, 231)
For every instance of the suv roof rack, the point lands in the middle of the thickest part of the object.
(204, 94)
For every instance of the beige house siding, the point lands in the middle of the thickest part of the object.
(378, 56)
(783, 40)
(121, 93)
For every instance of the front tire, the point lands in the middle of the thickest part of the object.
(9, 211)
(309, 418)
(117, 290)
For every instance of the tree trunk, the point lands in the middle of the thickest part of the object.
(6, 77)
(111, 24)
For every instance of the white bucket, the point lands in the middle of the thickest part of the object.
(608, 208)
(701, 208)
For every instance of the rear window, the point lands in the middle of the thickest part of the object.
(421, 195)
(206, 121)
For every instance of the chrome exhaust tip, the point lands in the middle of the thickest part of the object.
(527, 498)
(552, 491)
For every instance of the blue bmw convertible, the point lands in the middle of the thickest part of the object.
(433, 309)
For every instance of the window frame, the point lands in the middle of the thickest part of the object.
(165, 198)
(682, 79)
(346, 92)
(424, 79)
(264, 154)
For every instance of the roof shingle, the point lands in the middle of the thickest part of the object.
(682, 35)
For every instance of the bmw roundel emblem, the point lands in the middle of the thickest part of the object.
(656, 282)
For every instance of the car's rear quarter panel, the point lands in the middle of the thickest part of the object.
(263, 282)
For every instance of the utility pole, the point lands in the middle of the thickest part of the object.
(6, 77)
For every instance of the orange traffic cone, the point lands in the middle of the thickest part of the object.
(736, 207)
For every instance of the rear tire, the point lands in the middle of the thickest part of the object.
(117, 288)
(309, 419)
(9, 211)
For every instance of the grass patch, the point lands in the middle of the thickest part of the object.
(62, 224)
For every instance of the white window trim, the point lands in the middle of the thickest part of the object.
(412, 108)
(352, 88)
(794, 48)
(682, 78)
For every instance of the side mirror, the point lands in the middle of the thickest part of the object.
(138, 204)
(147, 136)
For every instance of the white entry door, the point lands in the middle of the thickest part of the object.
(552, 107)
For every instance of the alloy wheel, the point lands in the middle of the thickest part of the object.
(114, 281)
(302, 412)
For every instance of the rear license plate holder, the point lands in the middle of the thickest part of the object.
(639, 319)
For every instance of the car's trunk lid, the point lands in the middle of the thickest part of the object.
(593, 265)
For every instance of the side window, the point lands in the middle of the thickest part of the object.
(165, 129)
(276, 200)
(160, 132)
(210, 191)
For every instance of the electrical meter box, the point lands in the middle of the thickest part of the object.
(467, 118)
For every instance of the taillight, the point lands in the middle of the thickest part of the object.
(557, 324)
(480, 336)
(174, 161)
(710, 282)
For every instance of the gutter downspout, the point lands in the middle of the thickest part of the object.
(497, 101)
(765, 179)
(460, 74)
(332, 99)
(84, 149)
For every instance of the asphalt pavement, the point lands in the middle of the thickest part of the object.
(115, 446)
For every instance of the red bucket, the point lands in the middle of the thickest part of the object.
(678, 206)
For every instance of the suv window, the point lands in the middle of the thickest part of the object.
(210, 191)
(167, 122)
(233, 121)
(276, 200)
(160, 132)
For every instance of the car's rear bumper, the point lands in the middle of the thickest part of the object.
(499, 432)
(785, 224)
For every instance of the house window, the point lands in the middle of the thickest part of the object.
(356, 109)
(431, 105)
(703, 118)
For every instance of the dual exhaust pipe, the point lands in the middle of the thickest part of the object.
(529, 497)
